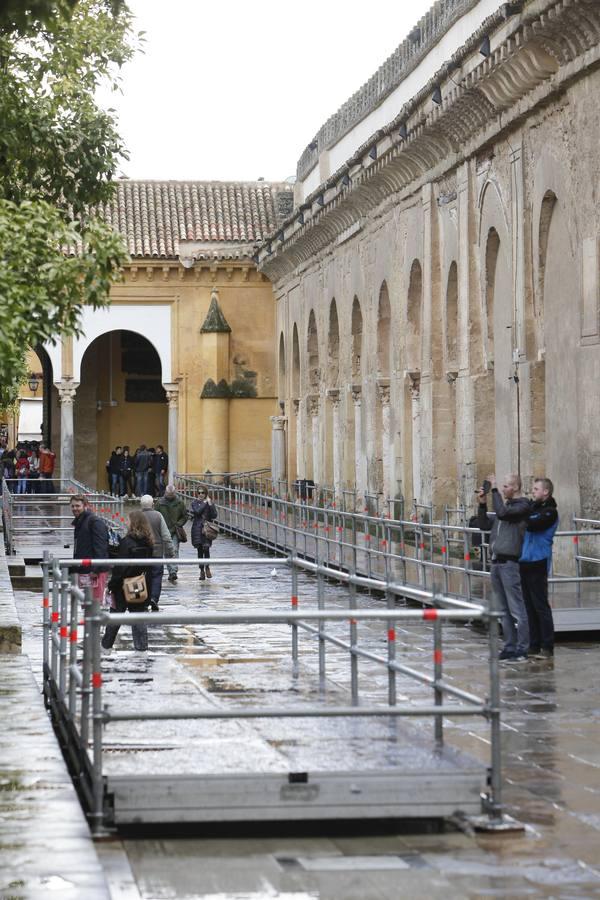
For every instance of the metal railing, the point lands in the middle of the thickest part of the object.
(73, 675)
(43, 519)
(447, 556)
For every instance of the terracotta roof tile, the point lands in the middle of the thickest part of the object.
(153, 216)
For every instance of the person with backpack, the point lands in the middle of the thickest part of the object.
(172, 508)
(203, 513)
(534, 565)
(138, 543)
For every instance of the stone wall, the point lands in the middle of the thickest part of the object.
(487, 250)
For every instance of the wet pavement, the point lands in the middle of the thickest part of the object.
(551, 742)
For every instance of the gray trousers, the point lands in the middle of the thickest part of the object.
(506, 585)
(172, 569)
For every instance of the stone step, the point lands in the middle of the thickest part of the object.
(16, 565)
(30, 579)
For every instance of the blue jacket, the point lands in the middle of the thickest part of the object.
(542, 522)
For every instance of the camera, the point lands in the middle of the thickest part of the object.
(486, 487)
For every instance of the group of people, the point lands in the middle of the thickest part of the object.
(155, 531)
(143, 472)
(520, 542)
(28, 468)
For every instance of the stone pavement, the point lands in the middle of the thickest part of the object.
(551, 740)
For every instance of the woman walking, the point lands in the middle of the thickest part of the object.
(137, 543)
(203, 511)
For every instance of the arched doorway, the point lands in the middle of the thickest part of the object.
(120, 401)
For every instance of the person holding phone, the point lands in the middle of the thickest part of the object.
(507, 530)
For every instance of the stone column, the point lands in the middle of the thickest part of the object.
(415, 395)
(278, 450)
(334, 397)
(313, 411)
(383, 389)
(172, 392)
(66, 394)
(300, 467)
(359, 457)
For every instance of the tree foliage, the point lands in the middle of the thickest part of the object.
(58, 154)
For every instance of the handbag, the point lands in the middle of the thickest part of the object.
(135, 589)
(181, 535)
(210, 530)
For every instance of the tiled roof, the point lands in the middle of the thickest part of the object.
(153, 216)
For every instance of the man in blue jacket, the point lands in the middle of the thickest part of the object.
(534, 564)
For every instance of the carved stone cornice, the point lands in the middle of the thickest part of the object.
(536, 57)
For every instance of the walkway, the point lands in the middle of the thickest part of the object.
(552, 764)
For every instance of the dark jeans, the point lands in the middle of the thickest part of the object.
(506, 585)
(141, 483)
(48, 487)
(203, 553)
(139, 633)
(534, 581)
(155, 577)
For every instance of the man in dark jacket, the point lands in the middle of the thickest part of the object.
(160, 464)
(141, 464)
(506, 541)
(172, 508)
(114, 470)
(536, 558)
(91, 533)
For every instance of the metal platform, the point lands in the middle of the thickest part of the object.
(301, 796)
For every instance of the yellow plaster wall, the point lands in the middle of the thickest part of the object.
(247, 302)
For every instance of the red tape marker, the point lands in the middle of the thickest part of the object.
(294, 601)
(575, 539)
(96, 679)
(73, 636)
(55, 617)
(64, 631)
(467, 557)
(86, 562)
(45, 602)
(443, 549)
(391, 634)
(430, 614)
(437, 656)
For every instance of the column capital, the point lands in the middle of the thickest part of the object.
(333, 395)
(172, 392)
(414, 383)
(66, 391)
(313, 404)
(296, 405)
(383, 391)
(278, 422)
(356, 392)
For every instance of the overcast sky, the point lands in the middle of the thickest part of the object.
(236, 90)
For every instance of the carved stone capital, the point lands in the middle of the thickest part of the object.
(333, 395)
(66, 391)
(296, 405)
(313, 404)
(172, 392)
(414, 383)
(356, 392)
(278, 422)
(383, 391)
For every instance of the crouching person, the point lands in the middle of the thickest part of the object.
(138, 543)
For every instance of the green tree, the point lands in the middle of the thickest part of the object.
(58, 155)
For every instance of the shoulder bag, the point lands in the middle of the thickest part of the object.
(210, 530)
(135, 589)
(181, 534)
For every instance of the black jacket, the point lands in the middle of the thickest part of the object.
(160, 462)
(114, 463)
(130, 547)
(91, 539)
(202, 512)
(507, 528)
